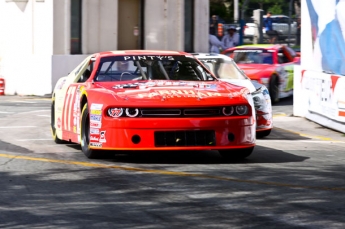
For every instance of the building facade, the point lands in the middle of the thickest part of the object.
(42, 40)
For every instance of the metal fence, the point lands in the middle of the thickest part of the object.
(287, 30)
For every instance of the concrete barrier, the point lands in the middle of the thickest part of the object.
(320, 98)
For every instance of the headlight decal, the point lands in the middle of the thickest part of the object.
(132, 112)
(115, 112)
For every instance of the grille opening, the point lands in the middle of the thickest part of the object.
(185, 138)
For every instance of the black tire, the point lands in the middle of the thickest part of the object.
(85, 134)
(274, 89)
(52, 124)
(236, 154)
(263, 134)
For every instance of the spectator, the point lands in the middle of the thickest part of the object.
(272, 34)
(214, 25)
(298, 32)
(231, 39)
(215, 44)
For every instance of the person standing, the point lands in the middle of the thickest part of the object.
(268, 23)
(215, 44)
(231, 39)
(298, 32)
(214, 25)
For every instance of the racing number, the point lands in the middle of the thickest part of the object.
(71, 109)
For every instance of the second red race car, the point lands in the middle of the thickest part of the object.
(151, 100)
(224, 68)
(270, 65)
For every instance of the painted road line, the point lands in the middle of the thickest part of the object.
(323, 138)
(42, 139)
(15, 127)
(5, 112)
(279, 115)
(169, 173)
(16, 101)
(35, 111)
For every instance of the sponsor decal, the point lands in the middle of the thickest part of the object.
(180, 94)
(148, 58)
(102, 136)
(59, 123)
(96, 106)
(96, 112)
(94, 131)
(94, 124)
(96, 118)
(96, 144)
(94, 139)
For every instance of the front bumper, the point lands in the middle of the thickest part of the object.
(215, 133)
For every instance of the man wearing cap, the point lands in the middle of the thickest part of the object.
(231, 39)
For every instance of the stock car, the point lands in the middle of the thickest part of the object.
(225, 69)
(147, 100)
(269, 64)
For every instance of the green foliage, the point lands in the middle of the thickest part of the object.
(219, 9)
(276, 9)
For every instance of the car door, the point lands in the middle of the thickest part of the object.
(286, 60)
(73, 92)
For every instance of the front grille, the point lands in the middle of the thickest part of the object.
(185, 138)
(187, 112)
(209, 111)
(160, 112)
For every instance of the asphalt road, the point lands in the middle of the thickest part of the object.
(294, 179)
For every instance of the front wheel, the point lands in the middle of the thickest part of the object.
(85, 134)
(52, 124)
(236, 154)
(274, 89)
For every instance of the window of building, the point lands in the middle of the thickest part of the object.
(76, 26)
(188, 25)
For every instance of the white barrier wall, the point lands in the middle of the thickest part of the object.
(35, 37)
(319, 83)
(26, 46)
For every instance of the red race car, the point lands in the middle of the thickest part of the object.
(270, 65)
(151, 100)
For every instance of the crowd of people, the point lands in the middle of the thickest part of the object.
(218, 42)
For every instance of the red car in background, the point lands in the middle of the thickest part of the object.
(270, 65)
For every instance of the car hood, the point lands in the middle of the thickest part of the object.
(177, 93)
(254, 71)
(240, 82)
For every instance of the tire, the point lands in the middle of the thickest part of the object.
(236, 154)
(263, 134)
(85, 134)
(52, 124)
(274, 89)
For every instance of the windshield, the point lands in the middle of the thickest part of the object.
(224, 68)
(253, 56)
(123, 68)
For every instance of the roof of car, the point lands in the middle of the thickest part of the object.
(143, 52)
(262, 46)
(208, 55)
